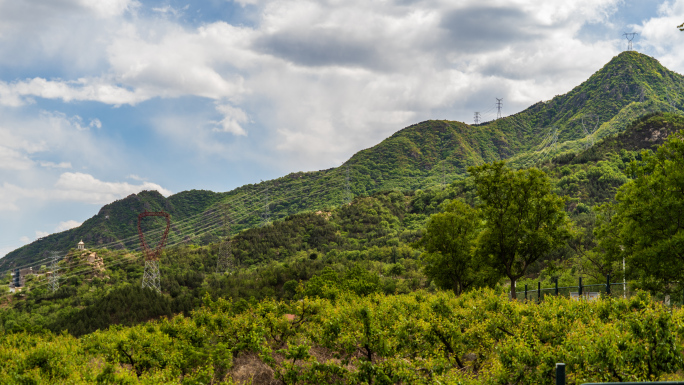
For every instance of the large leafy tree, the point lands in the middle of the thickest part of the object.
(449, 241)
(523, 220)
(647, 227)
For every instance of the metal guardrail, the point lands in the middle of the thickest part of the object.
(560, 379)
(616, 289)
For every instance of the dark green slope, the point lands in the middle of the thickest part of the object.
(416, 157)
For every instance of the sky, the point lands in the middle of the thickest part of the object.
(100, 99)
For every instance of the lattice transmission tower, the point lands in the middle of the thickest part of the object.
(499, 104)
(266, 212)
(151, 275)
(589, 129)
(225, 262)
(54, 275)
(477, 117)
(630, 37)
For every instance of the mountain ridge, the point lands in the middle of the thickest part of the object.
(419, 156)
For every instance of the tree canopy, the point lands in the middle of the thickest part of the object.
(449, 241)
(647, 227)
(523, 220)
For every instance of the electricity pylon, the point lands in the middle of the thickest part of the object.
(629, 36)
(225, 261)
(54, 276)
(589, 132)
(265, 214)
(477, 117)
(498, 107)
(151, 276)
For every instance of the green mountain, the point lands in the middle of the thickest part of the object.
(417, 157)
(368, 241)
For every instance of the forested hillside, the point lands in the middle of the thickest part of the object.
(346, 295)
(417, 157)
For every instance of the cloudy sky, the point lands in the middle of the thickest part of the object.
(103, 98)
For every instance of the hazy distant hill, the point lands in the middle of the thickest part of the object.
(416, 157)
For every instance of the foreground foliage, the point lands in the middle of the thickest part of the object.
(478, 338)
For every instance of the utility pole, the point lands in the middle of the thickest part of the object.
(498, 107)
(224, 262)
(629, 36)
(151, 277)
(54, 277)
(265, 214)
(477, 117)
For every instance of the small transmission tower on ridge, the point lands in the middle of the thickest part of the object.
(498, 107)
(266, 213)
(151, 276)
(54, 276)
(477, 117)
(630, 37)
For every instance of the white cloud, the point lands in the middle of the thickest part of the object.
(232, 120)
(136, 177)
(325, 79)
(660, 34)
(41, 234)
(67, 225)
(55, 165)
(108, 8)
(9, 194)
(78, 187)
(23, 239)
(86, 188)
(11, 159)
(84, 89)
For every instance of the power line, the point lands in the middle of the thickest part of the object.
(190, 224)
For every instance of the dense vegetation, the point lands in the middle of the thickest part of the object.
(417, 157)
(416, 338)
(352, 292)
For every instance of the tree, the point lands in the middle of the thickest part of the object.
(449, 241)
(681, 27)
(522, 219)
(647, 227)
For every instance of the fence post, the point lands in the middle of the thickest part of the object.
(580, 287)
(560, 374)
(525, 292)
(608, 284)
(538, 291)
(556, 287)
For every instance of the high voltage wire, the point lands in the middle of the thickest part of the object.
(125, 258)
(210, 226)
(184, 223)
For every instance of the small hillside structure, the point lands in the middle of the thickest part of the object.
(81, 245)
